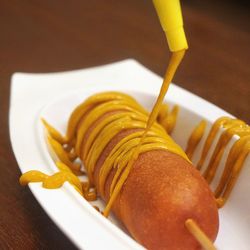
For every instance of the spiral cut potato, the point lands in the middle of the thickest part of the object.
(162, 195)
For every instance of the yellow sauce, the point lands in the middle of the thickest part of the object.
(57, 180)
(150, 135)
(195, 138)
(166, 119)
(54, 181)
(175, 60)
(128, 115)
(235, 159)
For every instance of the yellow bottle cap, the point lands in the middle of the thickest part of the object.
(169, 13)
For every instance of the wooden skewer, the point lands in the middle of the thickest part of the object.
(199, 235)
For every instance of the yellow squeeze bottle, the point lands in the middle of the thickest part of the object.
(169, 13)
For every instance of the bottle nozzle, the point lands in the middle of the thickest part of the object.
(169, 13)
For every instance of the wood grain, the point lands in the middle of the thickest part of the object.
(48, 36)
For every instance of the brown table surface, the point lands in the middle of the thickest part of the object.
(48, 36)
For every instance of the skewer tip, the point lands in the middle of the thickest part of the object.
(199, 235)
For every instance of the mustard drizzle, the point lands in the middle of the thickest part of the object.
(175, 60)
(81, 109)
(236, 157)
(168, 119)
(130, 116)
(127, 117)
(54, 181)
(195, 138)
(105, 134)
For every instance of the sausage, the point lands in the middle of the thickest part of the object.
(162, 191)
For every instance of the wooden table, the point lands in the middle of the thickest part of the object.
(48, 36)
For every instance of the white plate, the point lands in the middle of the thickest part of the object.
(54, 95)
